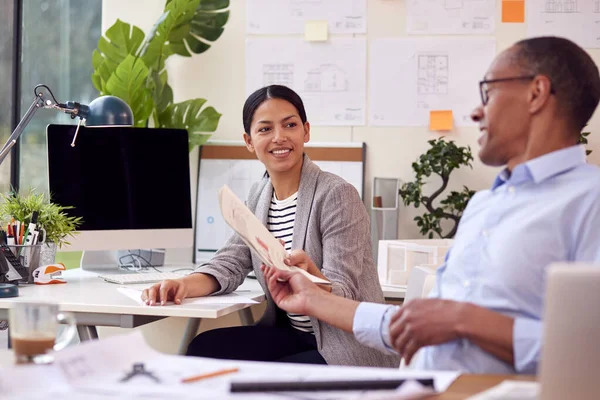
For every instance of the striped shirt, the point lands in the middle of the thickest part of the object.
(282, 214)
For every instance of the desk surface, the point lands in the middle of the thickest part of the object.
(85, 292)
(469, 385)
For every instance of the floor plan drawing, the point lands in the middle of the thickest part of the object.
(561, 6)
(326, 78)
(453, 4)
(278, 74)
(432, 74)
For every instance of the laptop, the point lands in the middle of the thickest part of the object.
(570, 366)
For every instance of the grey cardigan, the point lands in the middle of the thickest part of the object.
(332, 227)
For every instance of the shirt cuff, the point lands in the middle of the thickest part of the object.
(527, 344)
(371, 325)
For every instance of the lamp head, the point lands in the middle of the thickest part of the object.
(107, 110)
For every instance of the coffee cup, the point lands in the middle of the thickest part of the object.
(33, 330)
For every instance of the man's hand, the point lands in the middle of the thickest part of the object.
(425, 322)
(290, 290)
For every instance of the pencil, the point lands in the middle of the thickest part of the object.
(209, 375)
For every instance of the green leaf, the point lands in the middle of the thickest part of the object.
(58, 224)
(190, 115)
(120, 40)
(197, 140)
(170, 29)
(206, 26)
(129, 83)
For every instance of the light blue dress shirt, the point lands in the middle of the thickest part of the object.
(547, 210)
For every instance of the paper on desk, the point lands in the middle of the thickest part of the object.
(232, 298)
(510, 390)
(94, 370)
(255, 234)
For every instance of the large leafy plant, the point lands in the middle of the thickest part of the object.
(441, 159)
(59, 226)
(131, 65)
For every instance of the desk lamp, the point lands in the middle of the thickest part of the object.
(105, 110)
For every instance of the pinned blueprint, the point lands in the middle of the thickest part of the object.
(255, 234)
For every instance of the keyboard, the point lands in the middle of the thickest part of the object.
(142, 277)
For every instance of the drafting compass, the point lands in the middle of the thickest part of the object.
(139, 370)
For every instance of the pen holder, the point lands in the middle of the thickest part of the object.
(29, 256)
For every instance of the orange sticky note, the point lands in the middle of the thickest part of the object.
(440, 120)
(513, 11)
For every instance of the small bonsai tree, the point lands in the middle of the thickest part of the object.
(441, 159)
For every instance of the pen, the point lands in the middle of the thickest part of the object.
(305, 386)
(209, 375)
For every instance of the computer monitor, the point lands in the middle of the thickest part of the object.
(131, 186)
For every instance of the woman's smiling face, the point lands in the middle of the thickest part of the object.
(277, 135)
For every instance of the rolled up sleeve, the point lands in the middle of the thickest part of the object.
(527, 344)
(371, 326)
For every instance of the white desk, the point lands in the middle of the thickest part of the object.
(95, 302)
(393, 292)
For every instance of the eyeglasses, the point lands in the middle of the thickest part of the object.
(483, 90)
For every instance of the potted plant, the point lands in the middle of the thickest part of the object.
(131, 65)
(441, 159)
(56, 223)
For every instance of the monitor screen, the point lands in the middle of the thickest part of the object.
(121, 178)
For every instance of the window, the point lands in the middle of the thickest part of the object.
(7, 88)
(58, 38)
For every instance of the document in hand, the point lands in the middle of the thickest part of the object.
(255, 234)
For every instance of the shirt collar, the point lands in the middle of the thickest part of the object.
(541, 168)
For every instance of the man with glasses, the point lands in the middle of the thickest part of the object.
(484, 315)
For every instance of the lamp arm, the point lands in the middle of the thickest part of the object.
(38, 102)
(41, 101)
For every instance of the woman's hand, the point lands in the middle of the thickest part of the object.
(168, 290)
(291, 291)
(298, 258)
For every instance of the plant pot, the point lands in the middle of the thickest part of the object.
(48, 253)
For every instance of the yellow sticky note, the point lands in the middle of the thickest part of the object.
(513, 11)
(316, 31)
(440, 120)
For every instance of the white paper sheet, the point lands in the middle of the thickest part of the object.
(94, 370)
(233, 298)
(409, 77)
(329, 76)
(270, 251)
(289, 16)
(510, 390)
(577, 20)
(468, 17)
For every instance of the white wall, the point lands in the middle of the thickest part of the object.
(218, 75)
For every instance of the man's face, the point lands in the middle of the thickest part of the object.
(504, 121)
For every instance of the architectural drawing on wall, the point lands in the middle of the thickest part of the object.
(432, 74)
(561, 6)
(453, 4)
(278, 74)
(326, 78)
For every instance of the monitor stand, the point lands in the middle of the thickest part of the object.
(125, 261)
(100, 261)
